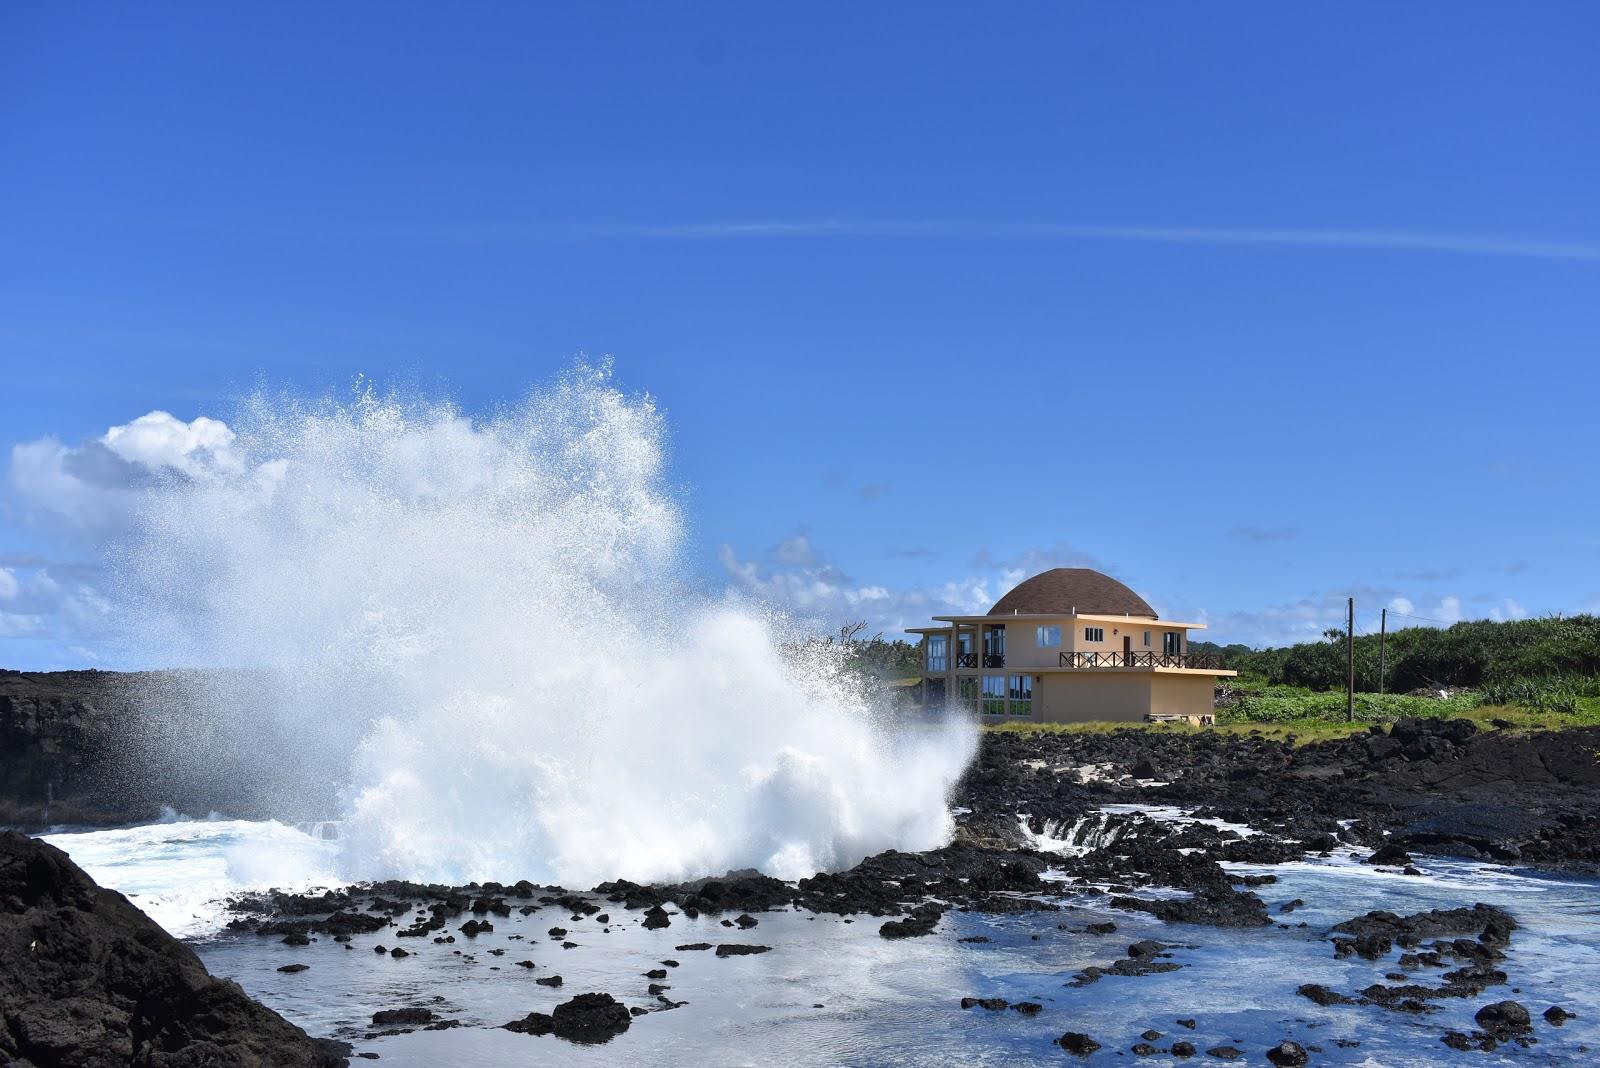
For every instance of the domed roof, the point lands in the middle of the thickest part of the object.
(1062, 590)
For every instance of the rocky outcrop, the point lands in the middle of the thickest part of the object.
(87, 980)
(101, 748)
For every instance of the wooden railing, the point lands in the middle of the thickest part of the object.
(1199, 661)
(967, 660)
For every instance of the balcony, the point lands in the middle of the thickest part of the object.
(1193, 661)
(967, 660)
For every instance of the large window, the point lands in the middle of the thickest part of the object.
(994, 647)
(1171, 643)
(968, 689)
(938, 652)
(1021, 695)
(1147, 639)
(994, 695)
(1049, 637)
(1094, 634)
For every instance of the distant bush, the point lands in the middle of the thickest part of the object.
(1470, 654)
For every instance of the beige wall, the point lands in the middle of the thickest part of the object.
(1183, 695)
(1077, 696)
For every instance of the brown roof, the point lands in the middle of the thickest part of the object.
(1064, 589)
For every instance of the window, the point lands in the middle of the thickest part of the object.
(1021, 695)
(994, 647)
(938, 652)
(1049, 637)
(964, 643)
(1147, 639)
(994, 695)
(968, 690)
(1171, 643)
(1094, 634)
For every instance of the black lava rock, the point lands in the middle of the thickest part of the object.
(87, 979)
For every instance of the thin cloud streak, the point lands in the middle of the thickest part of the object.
(1395, 240)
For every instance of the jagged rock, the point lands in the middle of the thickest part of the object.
(1503, 1019)
(1287, 1054)
(590, 1019)
(87, 979)
(1077, 1042)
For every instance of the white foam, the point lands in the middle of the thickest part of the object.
(180, 871)
(495, 610)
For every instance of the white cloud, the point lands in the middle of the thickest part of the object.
(88, 488)
(198, 448)
(814, 590)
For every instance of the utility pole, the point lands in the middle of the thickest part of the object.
(1383, 632)
(1350, 662)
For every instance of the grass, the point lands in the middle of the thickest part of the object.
(1302, 716)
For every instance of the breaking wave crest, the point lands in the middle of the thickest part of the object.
(480, 629)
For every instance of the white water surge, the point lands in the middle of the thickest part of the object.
(485, 624)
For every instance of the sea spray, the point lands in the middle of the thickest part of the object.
(479, 630)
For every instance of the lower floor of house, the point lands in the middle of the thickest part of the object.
(1128, 695)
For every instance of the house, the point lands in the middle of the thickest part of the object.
(1065, 646)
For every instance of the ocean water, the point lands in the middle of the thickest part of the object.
(834, 992)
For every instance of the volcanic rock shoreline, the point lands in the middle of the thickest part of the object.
(1423, 786)
(1420, 787)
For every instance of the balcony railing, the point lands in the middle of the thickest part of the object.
(1198, 661)
(967, 660)
(994, 660)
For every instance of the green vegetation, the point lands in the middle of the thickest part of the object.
(1467, 655)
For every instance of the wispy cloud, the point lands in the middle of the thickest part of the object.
(1302, 238)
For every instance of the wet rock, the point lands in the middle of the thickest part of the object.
(590, 1019)
(1028, 1008)
(88, 979)
(548, 980)
(992, 1004)
(292, 969)
(1287, 1054)
(1322, 995)
(473, 928)
(406, 1017)
(557, 932)
(1214, 906)
(1101, 928)
(746, 921)
(1190, 1024)
(1144, 1049)
(923, 919)
(656, 917)
(1225, 1053)
(1557, 1015)
(730, 949)
(1077, 1042)
(1391, 855)
(1503, 1019)
(1151, 1035)
(692, 946)
(656, 973)
(1183, 1049)
(397, 953)
(535, 1023)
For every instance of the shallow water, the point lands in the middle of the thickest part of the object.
(881, 1002)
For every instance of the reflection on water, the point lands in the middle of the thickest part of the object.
(834, 992)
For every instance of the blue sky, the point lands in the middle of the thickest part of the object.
(1255, 307)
